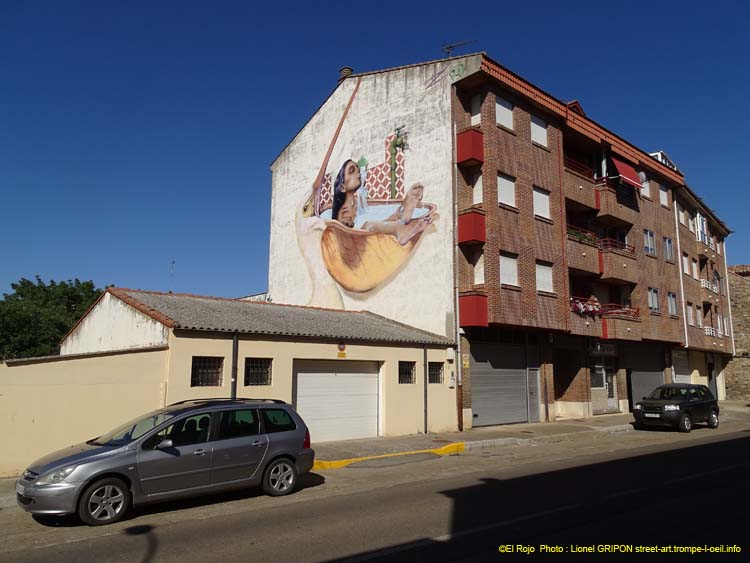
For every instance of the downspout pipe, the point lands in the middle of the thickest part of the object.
(682, 283)
(235, 350)
(426, 376)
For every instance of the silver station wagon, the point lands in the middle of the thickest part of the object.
(186, 449)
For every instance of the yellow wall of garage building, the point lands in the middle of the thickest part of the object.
(402, 406)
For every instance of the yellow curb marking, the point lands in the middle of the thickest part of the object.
(453, 448)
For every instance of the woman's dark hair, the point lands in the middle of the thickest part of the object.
(339, 195)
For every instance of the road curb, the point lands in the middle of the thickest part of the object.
(476, 445)
(448, 449)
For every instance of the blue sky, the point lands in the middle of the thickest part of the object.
(135, 133)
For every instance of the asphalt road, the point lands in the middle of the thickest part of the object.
(641, 488)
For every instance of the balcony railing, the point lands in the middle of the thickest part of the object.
(604, 244)
(610, 244)
(594, 308)
(708, 285)
(709, 331)
(582, 235)
(579, 167)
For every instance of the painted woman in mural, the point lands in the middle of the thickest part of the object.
(357, 232)
(351, 209)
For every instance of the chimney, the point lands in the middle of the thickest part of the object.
(345, 72)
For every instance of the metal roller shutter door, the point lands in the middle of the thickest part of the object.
(498, 384)
(681, 365)
(647, 368)
(338, 400)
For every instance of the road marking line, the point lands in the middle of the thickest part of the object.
(449, 449)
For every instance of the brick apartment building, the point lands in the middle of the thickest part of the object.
(574, 270)
(737, 371)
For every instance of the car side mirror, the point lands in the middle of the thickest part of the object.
(164, 444)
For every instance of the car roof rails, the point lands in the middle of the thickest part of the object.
(220, 399)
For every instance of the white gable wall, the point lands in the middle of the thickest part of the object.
(114, 325)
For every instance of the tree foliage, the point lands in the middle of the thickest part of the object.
(37, 315)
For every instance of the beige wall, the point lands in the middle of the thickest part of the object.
(401, 410)
(698, 367)
(48, 405)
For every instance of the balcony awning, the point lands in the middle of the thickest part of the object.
(627, 172)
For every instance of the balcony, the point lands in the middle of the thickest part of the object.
(472, 308)
(706, 246)
(583, 250)
(616, 204)
(608, 320)
(709, 292)
(579, 183)
(617, 261)
(470, 148)
(709, 331)
(472, 228)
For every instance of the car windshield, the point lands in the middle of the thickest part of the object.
(662, 393)
(132, 430)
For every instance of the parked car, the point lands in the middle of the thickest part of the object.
(679, 405)
(189, 448)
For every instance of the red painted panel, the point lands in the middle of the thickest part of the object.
(470, 147)
(471, 228)
(473, 310)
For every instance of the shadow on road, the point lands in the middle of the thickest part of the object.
(692, 496)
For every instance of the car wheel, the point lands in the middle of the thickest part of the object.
(637, 426)
(713, 420)
(686, 423)
(104, 502)
(280, 477)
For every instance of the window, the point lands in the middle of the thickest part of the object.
(691, 322)
(508, 268)
(503, 112)
(718, 247)
(681, 213)
(664, 195)
(238, 423)
(477, 188)
(698, 316)
(407, 373)
(691, 223)
(649, 242)
(206, 371)
(653, 300)
(695, 268)
(544, 277)
(541, 203)
(185, 432)
(479, 267)
(277, 420)
(538, 131)
(435, 372)
(668, 249)
(645, 185)
(672, 303)
(719, 326)
(726, 326)
(476, 109)
(506, 190)
(258, 371)
(685, 263)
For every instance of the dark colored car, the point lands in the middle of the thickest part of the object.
(186, 449)
(679, 405)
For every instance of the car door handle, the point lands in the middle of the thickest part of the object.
(200, 452)
(257, 443)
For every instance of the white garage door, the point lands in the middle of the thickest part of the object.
(338, 400)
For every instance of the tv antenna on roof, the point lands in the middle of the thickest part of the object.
(448, 49)
(171, 274)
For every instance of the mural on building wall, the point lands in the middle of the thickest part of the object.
(360, 223)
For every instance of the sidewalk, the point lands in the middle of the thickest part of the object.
(373, 452)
